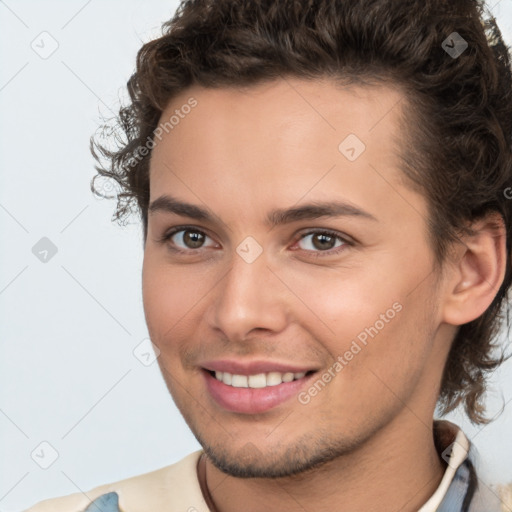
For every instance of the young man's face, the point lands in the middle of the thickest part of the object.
(361, 311)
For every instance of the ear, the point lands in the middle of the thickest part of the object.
(477, 271)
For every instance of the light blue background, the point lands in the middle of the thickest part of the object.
(69, 326)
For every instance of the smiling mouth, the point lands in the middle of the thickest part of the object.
(259, 380)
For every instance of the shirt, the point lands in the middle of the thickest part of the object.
(181, 486)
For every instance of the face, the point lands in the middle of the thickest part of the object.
(288, 278)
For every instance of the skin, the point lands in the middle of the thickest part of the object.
(364, 441)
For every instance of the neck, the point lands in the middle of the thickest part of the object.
(397, 469)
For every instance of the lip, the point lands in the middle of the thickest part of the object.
(239, 367)
(252, 400)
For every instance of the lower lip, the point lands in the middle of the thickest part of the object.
(252, 400)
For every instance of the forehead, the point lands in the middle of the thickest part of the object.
(279, 141)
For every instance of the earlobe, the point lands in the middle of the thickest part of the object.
(478, 271)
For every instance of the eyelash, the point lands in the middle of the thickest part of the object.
(168, 235)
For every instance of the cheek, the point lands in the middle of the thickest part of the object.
(372, 380)
(340, 305)
(392, 358)
(372, 322)
(168, 295)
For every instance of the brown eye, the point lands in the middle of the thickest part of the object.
(185, 239)
(319, 241)
(193, 239)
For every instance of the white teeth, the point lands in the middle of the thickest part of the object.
(239, 381)
(257, 381)
(274, 378)
(260, 380)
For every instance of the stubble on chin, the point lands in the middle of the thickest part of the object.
(310, 454)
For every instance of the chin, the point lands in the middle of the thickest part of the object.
(251, 462)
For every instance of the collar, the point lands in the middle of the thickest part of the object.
(453, 447)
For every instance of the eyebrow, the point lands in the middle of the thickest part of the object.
(313, 210)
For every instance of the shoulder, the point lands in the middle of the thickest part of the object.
(168, 488)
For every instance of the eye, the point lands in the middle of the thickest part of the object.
(186, 239)
(323, 241)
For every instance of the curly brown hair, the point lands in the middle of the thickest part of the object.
(457, 147)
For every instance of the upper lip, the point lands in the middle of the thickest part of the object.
(239, 367)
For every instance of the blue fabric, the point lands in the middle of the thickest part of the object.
(467, 493)
(105, 503)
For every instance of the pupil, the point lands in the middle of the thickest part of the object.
(323, 238)
(195, 240)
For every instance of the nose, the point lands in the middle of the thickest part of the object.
(249, 298)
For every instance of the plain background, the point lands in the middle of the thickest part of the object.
(70, 325)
